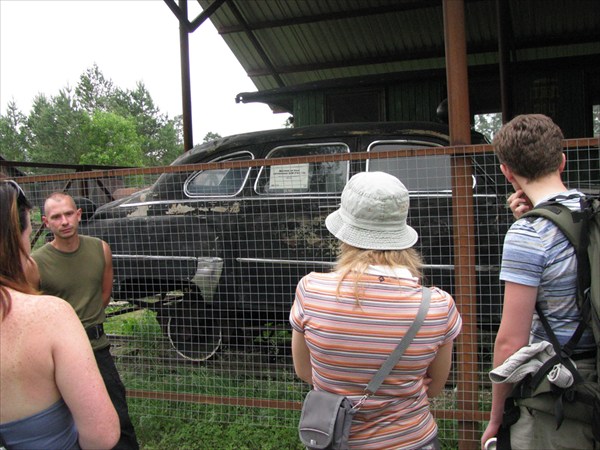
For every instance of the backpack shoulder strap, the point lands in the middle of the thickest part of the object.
(569, 222)
(574, 225)
(562, 353)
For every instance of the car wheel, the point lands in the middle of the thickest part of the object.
(194, 340)
(192, 327)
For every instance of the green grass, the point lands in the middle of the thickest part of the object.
(165, 425)
(134, 323)
(240, 429)
(211, 427)
(168, 425)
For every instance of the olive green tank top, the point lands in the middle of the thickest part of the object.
(77, 278)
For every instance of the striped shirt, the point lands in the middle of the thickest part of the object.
(350, 340)
(536, 253)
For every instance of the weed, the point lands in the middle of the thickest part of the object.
(244, 429)
(142, 322)
(276, 340)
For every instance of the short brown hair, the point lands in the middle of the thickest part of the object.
(58, 196)
(530, 145)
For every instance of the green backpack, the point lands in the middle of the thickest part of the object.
(580, 401)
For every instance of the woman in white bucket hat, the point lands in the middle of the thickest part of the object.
(347, 322)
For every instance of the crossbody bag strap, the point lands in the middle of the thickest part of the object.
(391, 361)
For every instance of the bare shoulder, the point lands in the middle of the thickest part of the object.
(39, 313)
(105, 246)
(46, 304)
(55, 302)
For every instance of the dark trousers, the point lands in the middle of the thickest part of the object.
(116, 391)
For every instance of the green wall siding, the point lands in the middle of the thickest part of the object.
(559, 95)
(566, 95)
(410, 101)
(415, 100)
(309, 109)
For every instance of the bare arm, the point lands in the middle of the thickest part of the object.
(107, 277)
(301, 356)
(80, 383)
(515, 327)
(439, 369)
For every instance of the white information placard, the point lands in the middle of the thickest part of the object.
(289, 177)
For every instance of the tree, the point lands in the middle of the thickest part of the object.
(488, 124)
(289, 122)
(111, 140)
(58, 128)
(94, 92)
(210, 136)
(161, 137)
(55, 129)
(167, 144)
(13, 134)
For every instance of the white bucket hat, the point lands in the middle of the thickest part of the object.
(373, 213)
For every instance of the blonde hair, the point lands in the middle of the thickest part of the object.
(353, 262)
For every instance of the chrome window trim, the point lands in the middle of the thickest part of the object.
(323, 196)
(298, 262)
(411, 141)
(311, 194)
(224, 158)
(155, 257)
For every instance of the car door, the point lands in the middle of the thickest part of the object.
(429, 181)
(285, 235)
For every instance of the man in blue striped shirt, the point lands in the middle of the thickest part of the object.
(538, 266)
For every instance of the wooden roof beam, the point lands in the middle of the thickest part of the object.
(347, 14)
(199, 20)
(438, 52)
(257, 46)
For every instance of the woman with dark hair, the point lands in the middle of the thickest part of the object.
(51, 392)
(346, 323)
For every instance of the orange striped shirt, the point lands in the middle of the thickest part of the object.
(349, 340)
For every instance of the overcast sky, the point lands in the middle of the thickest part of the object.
(46, 45)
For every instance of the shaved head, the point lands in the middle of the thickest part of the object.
(59, 197)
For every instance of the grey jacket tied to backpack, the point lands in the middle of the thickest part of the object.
(527, 361)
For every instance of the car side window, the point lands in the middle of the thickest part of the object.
(219, 182)
(304, 178)
(417, 173)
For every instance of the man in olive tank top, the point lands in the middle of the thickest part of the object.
(79, 269)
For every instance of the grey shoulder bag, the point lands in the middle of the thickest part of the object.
(326, 418)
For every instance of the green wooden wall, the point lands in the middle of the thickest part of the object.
(566, 94)
(415, 100)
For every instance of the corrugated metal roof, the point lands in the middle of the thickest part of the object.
(282, 43)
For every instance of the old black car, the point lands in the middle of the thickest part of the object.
(218, 253)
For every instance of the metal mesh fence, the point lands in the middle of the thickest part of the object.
(207, 258)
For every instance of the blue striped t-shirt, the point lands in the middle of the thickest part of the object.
(536, 253)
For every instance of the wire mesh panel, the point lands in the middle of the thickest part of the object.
(207, 254)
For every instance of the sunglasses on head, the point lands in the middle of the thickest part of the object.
(21, 197)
